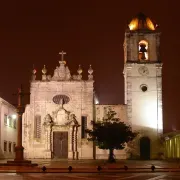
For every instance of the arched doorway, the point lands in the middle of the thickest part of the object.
(145, 148)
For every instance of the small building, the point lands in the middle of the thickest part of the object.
(8, 131)
(172, 145)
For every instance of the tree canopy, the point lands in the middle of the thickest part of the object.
(110, 133)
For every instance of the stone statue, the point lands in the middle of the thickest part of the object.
(68, 74)
(56, 75)
(72, 120)
(62, 71)
(48, 120)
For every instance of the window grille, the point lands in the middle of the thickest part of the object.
(37, 126)
(83, 126)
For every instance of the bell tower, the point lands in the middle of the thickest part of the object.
(143, 75)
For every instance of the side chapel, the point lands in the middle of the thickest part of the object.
(62, 106)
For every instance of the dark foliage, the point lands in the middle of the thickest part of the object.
(110, 133)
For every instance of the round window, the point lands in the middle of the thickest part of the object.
(143, 87)
(58, 99)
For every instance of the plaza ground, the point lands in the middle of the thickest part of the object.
(57, 165)
(87, 169)
(86, 176)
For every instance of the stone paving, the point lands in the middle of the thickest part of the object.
(118, 164)
(57, 165)
(86, 176)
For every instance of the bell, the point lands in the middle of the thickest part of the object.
(142, 52)
(142, 48)
(142, 56)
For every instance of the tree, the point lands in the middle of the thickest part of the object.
(110, 133)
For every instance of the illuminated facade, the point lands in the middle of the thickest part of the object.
(172, 146)
(61, 108)
(8, 137)
(143, 81)
(63, 105)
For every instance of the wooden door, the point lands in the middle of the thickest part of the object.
(145, 148)
(60, 144)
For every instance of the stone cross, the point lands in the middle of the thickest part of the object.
(62, 53)
(20, 94)
(19, 149)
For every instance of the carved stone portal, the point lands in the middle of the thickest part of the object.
(61, 129)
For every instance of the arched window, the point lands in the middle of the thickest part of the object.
(143, 50)
(37, 126)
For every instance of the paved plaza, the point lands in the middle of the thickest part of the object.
(87, 169)
(88, 176)
(57, 164)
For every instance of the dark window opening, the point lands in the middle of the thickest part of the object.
(83, 126)
(144, 88)
(10, 146)
(143, 50)
(14, 147)
(5, 119)
(14, 124)
(5, 146)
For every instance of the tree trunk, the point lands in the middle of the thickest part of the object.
(111, 155)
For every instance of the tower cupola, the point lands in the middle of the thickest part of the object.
(142, 22)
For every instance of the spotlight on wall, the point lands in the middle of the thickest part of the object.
(14, 116)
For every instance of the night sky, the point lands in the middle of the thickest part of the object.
(91, 32)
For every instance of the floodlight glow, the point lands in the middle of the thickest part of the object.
(153, 115)
(14, 116)
(150, 112)
(96, 101)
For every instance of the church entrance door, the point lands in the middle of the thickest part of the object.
(60, 144)
(145, 148)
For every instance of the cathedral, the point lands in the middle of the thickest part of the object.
(63, 105)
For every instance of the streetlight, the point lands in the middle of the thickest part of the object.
(14, 116)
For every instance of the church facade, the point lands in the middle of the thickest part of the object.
(62, 106)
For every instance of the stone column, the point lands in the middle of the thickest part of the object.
(71, 136)
(47, 142)
(75, 142)
(51, 141)
(48, 139)
(19, 148)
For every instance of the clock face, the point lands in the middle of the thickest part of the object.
(143, 70)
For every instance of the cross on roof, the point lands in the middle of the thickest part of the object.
(62, 53)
